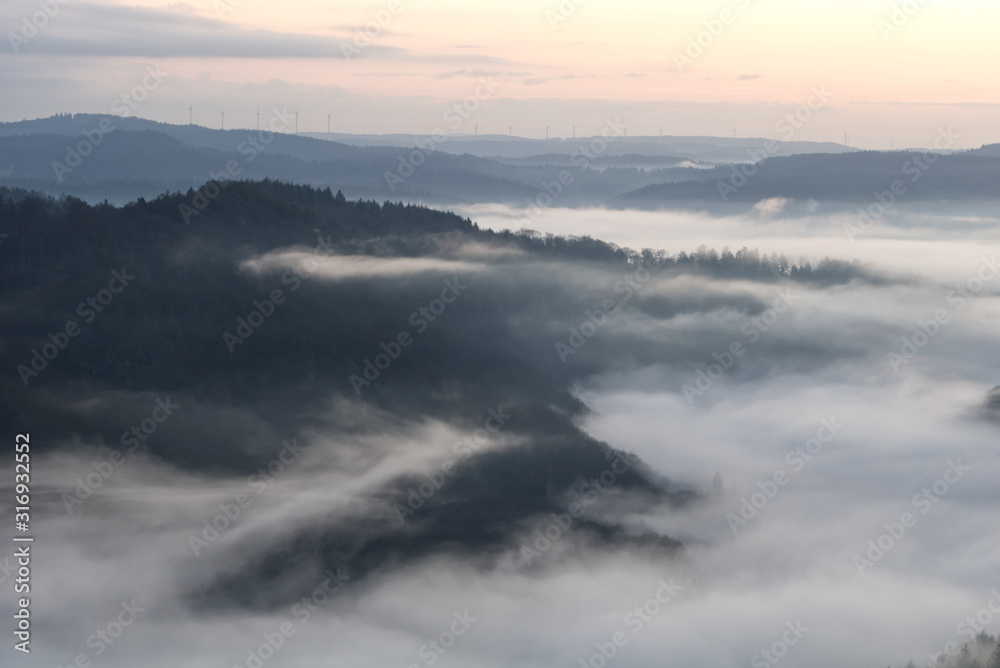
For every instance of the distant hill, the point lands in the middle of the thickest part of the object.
(192, 135)
(144, 163)
(852, 178)
(141, 158)
(710, 149)
(988, 149)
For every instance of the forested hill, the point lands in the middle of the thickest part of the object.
(192, 284)
(264, 318)
(278, 309)
(846, 178)
(134, 158)
(96, 158)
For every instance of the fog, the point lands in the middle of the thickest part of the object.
(911, 239)
(856, 437)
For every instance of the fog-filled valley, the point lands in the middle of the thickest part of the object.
(716, 438)
(533, 334)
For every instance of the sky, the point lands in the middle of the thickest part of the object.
(890, 76)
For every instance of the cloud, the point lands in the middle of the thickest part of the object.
(182, 8)
(820, 365)
(537, 81)
(352, 266)
(769, 208)
(97, 30)
(104, 30)
(748, 77)
(476, 73)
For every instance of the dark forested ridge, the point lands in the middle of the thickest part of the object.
(161, 335)
(194, 324)
(192, 288)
